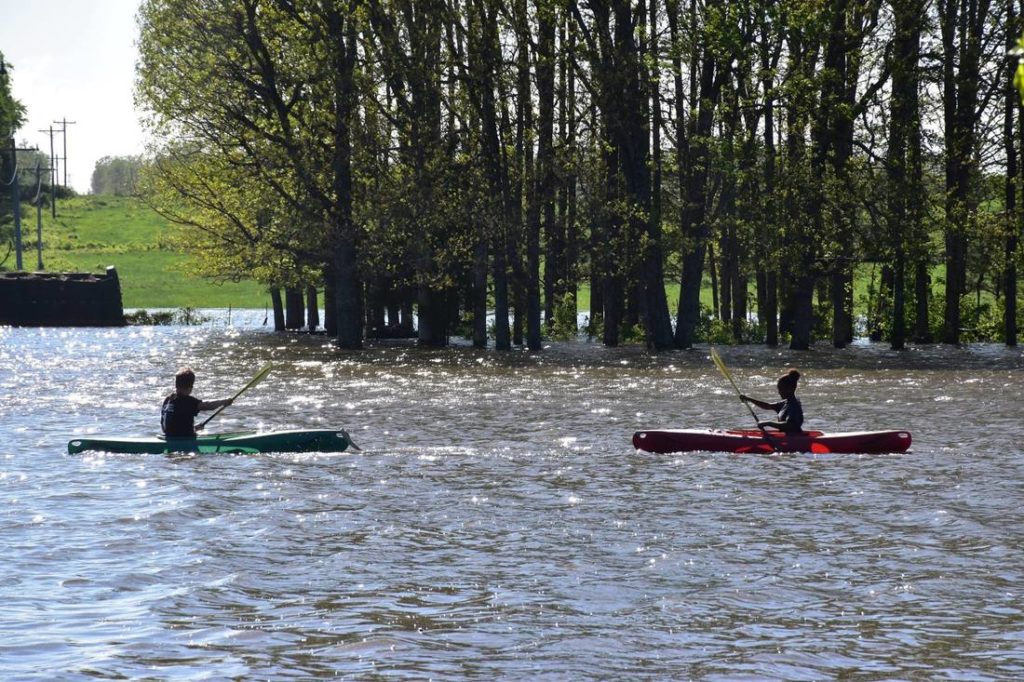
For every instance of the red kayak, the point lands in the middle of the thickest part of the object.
(717, 440)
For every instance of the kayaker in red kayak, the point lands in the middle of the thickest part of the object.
(178, 414)
(789, 409)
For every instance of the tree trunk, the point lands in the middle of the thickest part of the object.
(769, 313)
(479, 293)
(275, 300)
(900, 159)
(716, 296)
(692, 154)
(572, 231)
(1013, 109)
(432, 315)
(962, 29)
(330, 306)
(312, 309)
(546, 178)
(294, 308)
(347, 286)
(803, 312)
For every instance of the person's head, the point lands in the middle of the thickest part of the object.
(184, 380)
(787, 383)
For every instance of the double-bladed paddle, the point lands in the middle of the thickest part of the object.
(260, 376)
(725, 371)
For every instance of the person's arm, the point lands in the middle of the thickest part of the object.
(205, 405)
(763, 405)
(793, 421)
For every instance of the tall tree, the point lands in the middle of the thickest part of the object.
(962, 24)
(904, 151)
(709, 64)
(12, 116)
(266, 88)
(1013, 134)
(485, 68)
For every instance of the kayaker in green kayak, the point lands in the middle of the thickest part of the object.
(178, 414)
(789, 409)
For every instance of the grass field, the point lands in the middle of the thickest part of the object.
(92, 232)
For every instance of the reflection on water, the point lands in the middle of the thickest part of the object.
(498, 522)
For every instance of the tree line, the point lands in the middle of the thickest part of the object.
(117, 175)
(12, 116)
(457, 157)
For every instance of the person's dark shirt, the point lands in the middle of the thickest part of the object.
(791, 414)
(177, 418)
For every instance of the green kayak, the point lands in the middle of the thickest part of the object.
(241, 442)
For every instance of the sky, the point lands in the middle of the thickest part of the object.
(74, 60)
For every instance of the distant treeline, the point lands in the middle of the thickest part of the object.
(494, 155)
(117, 175)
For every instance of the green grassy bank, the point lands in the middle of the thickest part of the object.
(92, 232)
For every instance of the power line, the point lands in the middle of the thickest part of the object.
(39, 214)
(13, 149)
(53, 173)
(64, 131)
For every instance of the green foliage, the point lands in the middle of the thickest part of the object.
(244, 166)
(117, 175)
(12, 115)
(565, 326)
(1018, 74)
(632, 334)
(714, 331)
(12, 111)
(269, 161)
(181, 316)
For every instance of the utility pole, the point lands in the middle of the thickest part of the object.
(64, 123)
(53, 174)
(39, 214)
(16, 196)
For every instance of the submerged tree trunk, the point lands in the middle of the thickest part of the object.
(904, 122)
(962, 26)
(769, 313)
(1013, 111)
(546, 179)
(312, 309)
(692, 153)
(345, 255)
(278, 305)
(294, 308)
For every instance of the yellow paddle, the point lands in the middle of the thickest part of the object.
(725, 370)
(260, 376)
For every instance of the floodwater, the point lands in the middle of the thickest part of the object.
(498, 523)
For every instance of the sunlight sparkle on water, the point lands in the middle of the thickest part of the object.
(576, 555)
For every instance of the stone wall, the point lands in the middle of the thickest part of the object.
(69, 299)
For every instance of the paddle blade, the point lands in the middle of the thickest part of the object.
(722, 368)
(718, 362)
(260, 376)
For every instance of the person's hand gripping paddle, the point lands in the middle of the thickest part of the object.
(725, 371)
